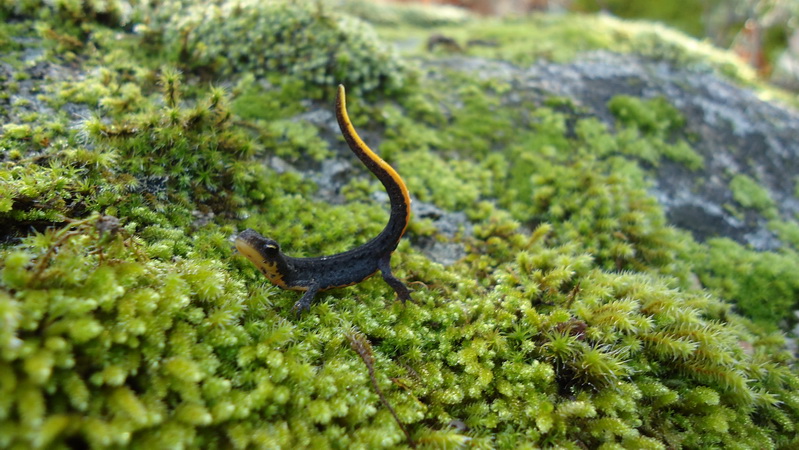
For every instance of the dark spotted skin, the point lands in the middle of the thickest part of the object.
(342, 269)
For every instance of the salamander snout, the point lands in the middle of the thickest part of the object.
(250, 241)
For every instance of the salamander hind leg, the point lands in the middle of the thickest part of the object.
(384, 264)
(304, 303)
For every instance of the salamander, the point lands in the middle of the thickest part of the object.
(313, 275)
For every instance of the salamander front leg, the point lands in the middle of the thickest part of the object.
(385, 269)
(304, 303)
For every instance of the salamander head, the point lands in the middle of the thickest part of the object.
(265, 254)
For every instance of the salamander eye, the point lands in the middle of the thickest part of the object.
(271, 249)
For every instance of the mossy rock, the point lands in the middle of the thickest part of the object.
(574, 320)
(302, 40)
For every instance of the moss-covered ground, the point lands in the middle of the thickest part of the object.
(131, 152)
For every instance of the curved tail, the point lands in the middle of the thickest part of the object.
(395, 187)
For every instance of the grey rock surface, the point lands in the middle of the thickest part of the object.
(733, 130)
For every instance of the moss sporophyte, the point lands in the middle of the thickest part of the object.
(312, 275)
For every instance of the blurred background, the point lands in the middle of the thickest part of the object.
(763, 33)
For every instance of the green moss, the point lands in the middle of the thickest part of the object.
(253, 102)
(296, 139)
(301, 40)
(749, 194)
(788, 232)
(581, 185)
(562, 37)
(406, 14)
(15, 131)
(7, 33)
(191, 149)
(682, 153)
(686, 16)
(658, 122)
(764, 285)
(653, 116)
(70, 14)
(572, 318)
